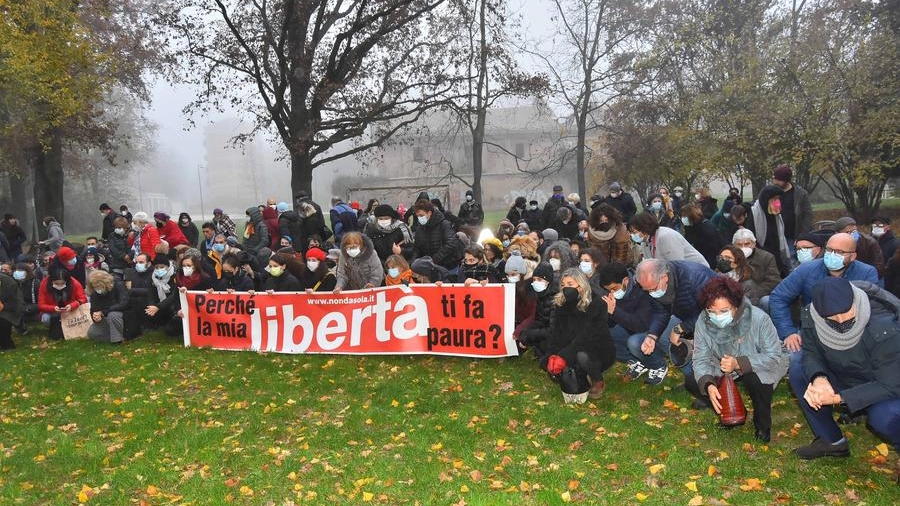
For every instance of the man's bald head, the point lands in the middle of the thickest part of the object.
(841, 242)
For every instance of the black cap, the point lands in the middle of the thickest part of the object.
(832, 296)
(104, 206)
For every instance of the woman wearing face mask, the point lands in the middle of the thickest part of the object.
(358, 266)
(279, 278)
(474, 268)
(59, 293)
(734, 337)
(516, 211)
(662, 243)
(590, 261)
(561, 257)
(120, 253)
(700, 233)
(189, 229)
(435, 237)
(398, 271)
(161, 309)
(533, 215)
(533, 332)
(146, 236)
(389, 235)
(94, 261)
(234, 279)
(317, 277)
(67, 259)
(656, 208)
(109, 301)
(138, 281)
(579, 336)
(608, 234)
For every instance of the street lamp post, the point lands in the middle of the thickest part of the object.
(200, 184)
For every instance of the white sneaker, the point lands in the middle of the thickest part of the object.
(656, 376)
(636, 369)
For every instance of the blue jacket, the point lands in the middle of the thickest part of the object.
(800, 283)
(688, 278)
(636, 309)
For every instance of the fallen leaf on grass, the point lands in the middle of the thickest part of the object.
(566, 496)
(691, 485)
(697, 500)
(640, 496)
(656, 468)
(751, 484)
(882, 449)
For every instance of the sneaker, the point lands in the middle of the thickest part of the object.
(656, 376)
(636, 369)
(821, 448)
(596, 390)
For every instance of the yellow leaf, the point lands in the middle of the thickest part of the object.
(711, 471)
(751, 484)
(882, 449)
(437, 446)
(573, 484)
(367, 496)
(691, 485)
(152, 490)
(656, 468)
(457, 464)
(566, 496)
(723, 455)
(697, 500)
(394, 403)
(640, 496)
(82, 497)
(775, 474)
(463, 489)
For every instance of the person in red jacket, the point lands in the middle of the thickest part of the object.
(146, 237)
(169, 230)
(270, 218)
(59, 293)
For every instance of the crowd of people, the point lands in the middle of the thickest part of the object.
(746, 289)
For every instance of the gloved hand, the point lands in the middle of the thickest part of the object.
(555, 364)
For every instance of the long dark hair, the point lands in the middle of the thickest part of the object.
(58, 273)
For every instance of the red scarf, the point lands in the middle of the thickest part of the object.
(188, 282)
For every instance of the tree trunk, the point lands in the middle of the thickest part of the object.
(579, 154)
(301, 173)
(477, 159)
(46, 161)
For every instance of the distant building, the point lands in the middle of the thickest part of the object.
(521, 157)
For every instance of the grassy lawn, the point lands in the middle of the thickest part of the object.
(151, 422)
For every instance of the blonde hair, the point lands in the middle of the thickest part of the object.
(584, 299)
(397, 261)
(353, 239)
(100, 279)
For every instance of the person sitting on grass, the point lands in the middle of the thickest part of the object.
(234, 279)
(851, 359)
(317, 277)
(358, 266)
(60, 293)
(279, 279)
(533, 332)
(109, 302)
(579, 335)
(732, 336)
(474, 268)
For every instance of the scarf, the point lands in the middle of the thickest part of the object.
(248, 230)
(836, 340)
(405, 278)
(162, 285)
(601, 236)
(188, 282)
(759, 222)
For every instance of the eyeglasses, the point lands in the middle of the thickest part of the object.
(839, 252)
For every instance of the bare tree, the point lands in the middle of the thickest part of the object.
(317, 72)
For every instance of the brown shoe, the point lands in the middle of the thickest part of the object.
(596, 390)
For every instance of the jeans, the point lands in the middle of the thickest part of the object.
(657, 358)
(620, 338)
(883, 416)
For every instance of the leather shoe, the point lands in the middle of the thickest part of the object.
(821, 448)
(596, 390)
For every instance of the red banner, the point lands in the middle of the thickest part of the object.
(421, 319)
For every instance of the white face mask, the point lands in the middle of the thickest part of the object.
(555, 263)
(512, 278)
(422, 219)
(747, 252)
(384, 223)
(877, 231)
(353, 252)
(312, 264)
(539, 286)
(188, 271)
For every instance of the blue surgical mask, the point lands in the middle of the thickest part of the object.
(721, 320)
(855, 235)
(422, 219)
(72, 261)
(393, 272)
(219, 247)
(637, 238)
(658, 293)
(686, 221)
(833, 261)
(520, 233)
(619, 294)
(804, 255)
(656, 206)
(18, 275)
(160, 273)
(505, 243)
(539, 286)
(140, 267)
(586, 267)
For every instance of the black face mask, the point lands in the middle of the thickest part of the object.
(571, 294)
(842, 328)
(723, 265)
(604, 227)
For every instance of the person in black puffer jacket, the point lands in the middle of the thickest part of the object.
(279, 279)
(234, 279)
(533, 332)
(435, 237)
(579, 335)
(386, 231)
(290, 225)
(28, 286)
